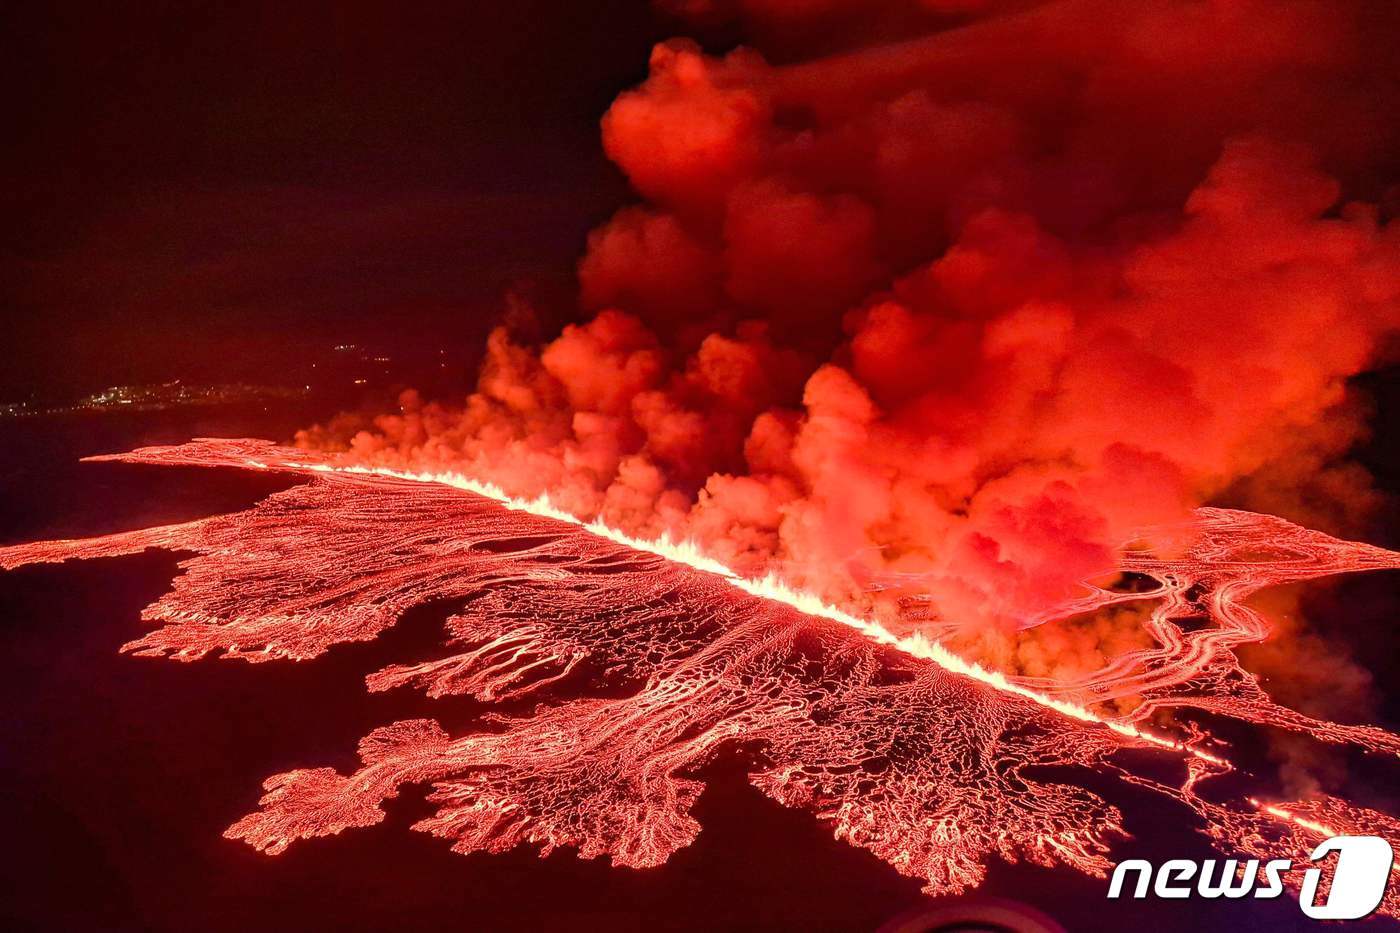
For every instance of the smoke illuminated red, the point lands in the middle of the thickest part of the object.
(952, 316)
(648, 659)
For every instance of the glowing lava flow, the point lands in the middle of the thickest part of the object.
(643, 660)
(768, 587)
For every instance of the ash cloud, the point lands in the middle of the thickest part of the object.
(951, 313)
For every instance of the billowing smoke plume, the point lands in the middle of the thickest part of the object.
(951, 311)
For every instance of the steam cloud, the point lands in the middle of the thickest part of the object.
(951, 311)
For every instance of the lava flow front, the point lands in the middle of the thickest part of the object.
(647, 659)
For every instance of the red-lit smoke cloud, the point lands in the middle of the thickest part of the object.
(954, 312)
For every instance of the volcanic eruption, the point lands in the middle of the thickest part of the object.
(953, 315)
(966, 371)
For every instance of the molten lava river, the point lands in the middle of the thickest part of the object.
(643, 660)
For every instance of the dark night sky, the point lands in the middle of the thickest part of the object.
(190, 185)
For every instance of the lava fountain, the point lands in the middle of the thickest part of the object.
(647, 659)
